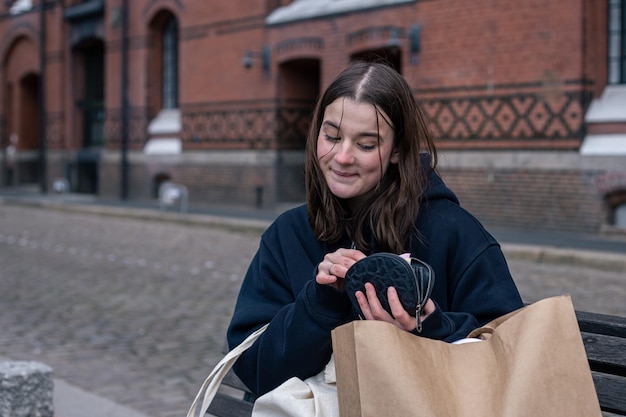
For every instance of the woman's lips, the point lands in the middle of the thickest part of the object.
(344, 174)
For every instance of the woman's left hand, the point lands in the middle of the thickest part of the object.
(332, 270)
(373, 310)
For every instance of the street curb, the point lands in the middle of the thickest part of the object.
(240, 224)
(605, 261)
(73, 401)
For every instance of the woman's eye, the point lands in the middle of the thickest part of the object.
(367, 147)
(331, 138)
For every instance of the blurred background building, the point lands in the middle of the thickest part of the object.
(527, 99)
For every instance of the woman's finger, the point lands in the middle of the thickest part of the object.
(361, 298)
(404, 319)
(377, 310)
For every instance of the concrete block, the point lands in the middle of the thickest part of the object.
(26, 389)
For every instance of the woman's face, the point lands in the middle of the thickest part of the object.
(354, 149)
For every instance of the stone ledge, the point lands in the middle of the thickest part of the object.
(26, 389)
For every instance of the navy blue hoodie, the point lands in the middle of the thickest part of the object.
(473, 285)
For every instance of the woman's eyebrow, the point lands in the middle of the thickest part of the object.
(331, 124)
(361, 134)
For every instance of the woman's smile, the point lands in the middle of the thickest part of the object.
(344, 174)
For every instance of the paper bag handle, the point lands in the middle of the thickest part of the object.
(487, 330)
(482, 333)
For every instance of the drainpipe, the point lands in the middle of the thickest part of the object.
(125, 107)
(43, 143)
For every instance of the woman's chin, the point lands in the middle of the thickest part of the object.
(342, 193)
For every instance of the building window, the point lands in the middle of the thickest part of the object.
(170, 64)
(615, 200)
(617, 41)
(620, 216)
(165, 125)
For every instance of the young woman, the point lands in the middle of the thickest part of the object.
(371, 187)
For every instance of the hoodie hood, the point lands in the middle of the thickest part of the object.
(436, 189)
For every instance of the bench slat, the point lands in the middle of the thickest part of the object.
(611, 391)
(233, 380)
(606, 353)
(226, 406)
(602, 324)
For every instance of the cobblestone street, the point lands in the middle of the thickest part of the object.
(136, 311)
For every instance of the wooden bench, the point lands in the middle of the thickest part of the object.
(604, 337)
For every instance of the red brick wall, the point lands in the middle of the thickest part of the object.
(492, 75)
(530, 199)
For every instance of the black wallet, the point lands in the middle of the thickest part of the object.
(412, 278)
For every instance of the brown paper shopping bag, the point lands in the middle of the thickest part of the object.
(530, 362)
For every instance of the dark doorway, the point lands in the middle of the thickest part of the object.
(298, 88)
(391, 56)
(89, 93)
(93, 100)
(28, 130)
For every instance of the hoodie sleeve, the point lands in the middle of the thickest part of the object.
(280, 288)
(483, 291)
(473, 284)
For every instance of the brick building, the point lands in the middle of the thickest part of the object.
(527, 99)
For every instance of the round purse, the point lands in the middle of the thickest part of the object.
(412, 278)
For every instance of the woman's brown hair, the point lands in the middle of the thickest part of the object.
(392, 210)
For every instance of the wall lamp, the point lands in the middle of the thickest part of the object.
(264, 54)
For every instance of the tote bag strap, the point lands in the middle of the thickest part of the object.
(212, 382)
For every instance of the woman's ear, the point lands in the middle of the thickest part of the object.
(395, 156)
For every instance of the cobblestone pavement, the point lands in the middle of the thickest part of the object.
(136, 311)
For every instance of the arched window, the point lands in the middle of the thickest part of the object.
(170, 64)
(616, 204)
(162, 73)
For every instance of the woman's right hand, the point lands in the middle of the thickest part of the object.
(373, 310)
(332, 270)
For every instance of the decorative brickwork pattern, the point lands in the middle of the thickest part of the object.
(504, 118)
(55, 125)
(137, 127)
(249, 125)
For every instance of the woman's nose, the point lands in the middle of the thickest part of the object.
(343, 153)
